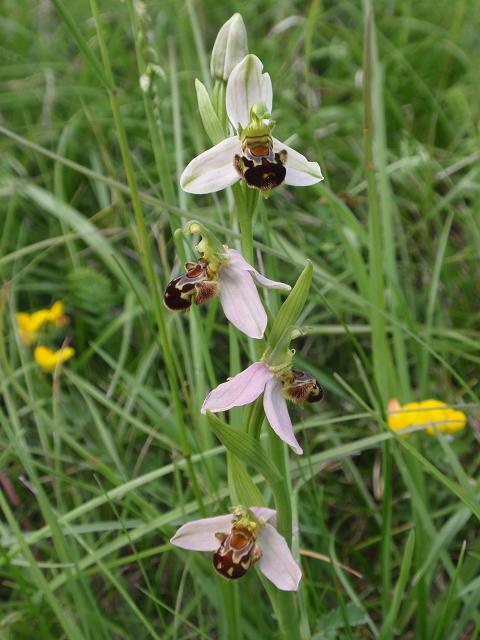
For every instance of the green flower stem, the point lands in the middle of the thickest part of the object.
(254, 418)
(246, 204)
(285, 607)
(284, 504)
(231, 604)
(146, 253)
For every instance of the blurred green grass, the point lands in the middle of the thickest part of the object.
(94, 478)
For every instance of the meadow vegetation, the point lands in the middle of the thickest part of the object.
(104, 458)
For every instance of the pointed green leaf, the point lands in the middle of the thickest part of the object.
(210, 119)
(387, 628)
(292, 307)
(243, 490)
(246, 448)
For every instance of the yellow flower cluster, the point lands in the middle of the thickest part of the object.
(432, 415)
(29, 327)
(49, 360)
(30, 324)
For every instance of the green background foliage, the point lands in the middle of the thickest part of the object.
(100, 466)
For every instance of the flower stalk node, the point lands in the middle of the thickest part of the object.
(279, 368)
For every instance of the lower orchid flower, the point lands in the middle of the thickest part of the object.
(240, 540)
(224, 272)
(429, 416)
(277, 385)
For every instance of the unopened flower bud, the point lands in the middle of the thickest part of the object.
(230, 47)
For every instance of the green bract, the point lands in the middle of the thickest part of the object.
(284, 324)
(230, 47)
(210, 120)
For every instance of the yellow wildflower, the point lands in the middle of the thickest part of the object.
(30, 324)
(49, 359)
(57, 314)
(432, 415)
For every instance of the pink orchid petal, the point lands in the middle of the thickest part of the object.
(242, 389)
(275, 407)
(237, 261)
(264, 513)
(199, 535)
(241, 302)
(277, 562)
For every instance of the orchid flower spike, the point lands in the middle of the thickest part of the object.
(278, 384)
(429, 416)
(253, 155)
(224, 272)
(241, 539)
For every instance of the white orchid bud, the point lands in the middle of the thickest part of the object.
(230, 47)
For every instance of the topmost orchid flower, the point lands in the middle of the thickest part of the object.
(252, 154)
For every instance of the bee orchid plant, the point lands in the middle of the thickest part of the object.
(252, 155)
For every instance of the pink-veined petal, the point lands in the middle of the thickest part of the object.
(277, 562)
(241, 302)
(300, 171)
(213, 169)
(237, 261)
(246, 86)
(242, 389)
(275, 407)
(199, 535)
(264, 513)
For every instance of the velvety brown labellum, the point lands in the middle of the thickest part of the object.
(193, 286)
(264, 175)
(302, 387)
(237, 553)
